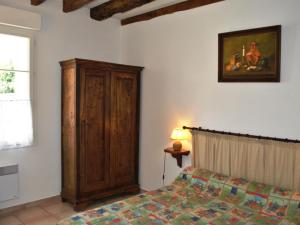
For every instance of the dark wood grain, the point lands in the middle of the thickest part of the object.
(112, 7)
(186, 5)
(71, 5)
(100, 116)
(68, 132)
(177, 154)
(123, 127)
(37, 2)
(94, 148)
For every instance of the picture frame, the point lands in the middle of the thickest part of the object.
(251, 55)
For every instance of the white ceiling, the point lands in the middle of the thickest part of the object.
(140, 10)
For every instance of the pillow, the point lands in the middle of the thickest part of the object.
(238, 182)
(276, 207)
(260, 188)
(214, 189)
(278, 202)
(281, 192)
(233, 194)
(243, 198)
(293, 213)
(257, 195)
(254, 201)
(185, 176)
(217, 177)
(200, 177)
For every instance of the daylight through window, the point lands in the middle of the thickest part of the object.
(16, 128)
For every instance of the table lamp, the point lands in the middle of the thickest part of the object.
(177, 135)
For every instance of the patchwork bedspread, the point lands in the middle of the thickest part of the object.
(200, 196)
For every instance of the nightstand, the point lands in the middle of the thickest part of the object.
(177, 154)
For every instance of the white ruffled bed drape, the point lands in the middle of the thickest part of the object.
(272, 162)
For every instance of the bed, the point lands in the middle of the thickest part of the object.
(199, 196)
(207, 196)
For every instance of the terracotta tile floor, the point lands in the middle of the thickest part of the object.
(47, 212)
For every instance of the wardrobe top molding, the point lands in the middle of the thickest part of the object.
(96, 64)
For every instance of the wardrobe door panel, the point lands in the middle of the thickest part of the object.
(123, 143)
(94, 114)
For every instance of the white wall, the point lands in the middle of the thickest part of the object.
(20, 18)
(180, 53)
(62, 36)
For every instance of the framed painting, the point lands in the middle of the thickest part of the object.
(250, 55)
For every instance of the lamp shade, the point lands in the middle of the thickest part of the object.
(179, 134)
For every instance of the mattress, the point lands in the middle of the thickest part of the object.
(199, 196)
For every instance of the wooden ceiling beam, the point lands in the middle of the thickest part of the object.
(37, 2)
(186, 5)
(71, 5)
(108, 9)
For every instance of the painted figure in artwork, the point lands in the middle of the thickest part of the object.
(250, 60)
(253, 55)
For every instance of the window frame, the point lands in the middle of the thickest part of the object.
(15, 31)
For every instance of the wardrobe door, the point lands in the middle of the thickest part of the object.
(94, 137)
(123, 142)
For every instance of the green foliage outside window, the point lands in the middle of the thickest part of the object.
(7, 82)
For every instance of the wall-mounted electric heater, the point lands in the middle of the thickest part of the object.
(9, 182)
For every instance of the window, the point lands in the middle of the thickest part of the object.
(16, 127)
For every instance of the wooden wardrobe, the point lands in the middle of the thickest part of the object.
(100, 130)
